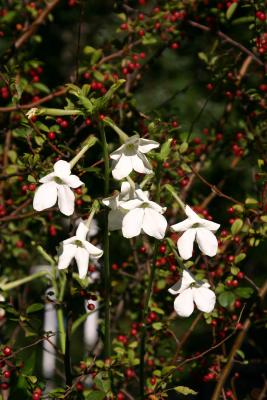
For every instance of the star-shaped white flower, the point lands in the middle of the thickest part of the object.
(130, 156)
(143, 216)
(197, 228)
(79, 248)
(56, 186)
(116, 213)
(189, 292)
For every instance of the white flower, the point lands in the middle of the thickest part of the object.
(2, 310)
(191, 291)
(199, 228)
(130, 156)
(114, 202)
(79, 248)
(56, 186)
(32, 112)
(143, 216)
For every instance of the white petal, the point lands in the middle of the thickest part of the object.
(111, 202)
(142, 195)
(115, 218)
(67, 255)
(70, 240)
(131, 204)
(210, 225)
(45, 196)
(207, 242)
(66, 200)
(73, 181)
(82, 259)
(93, 250)
(183, 226)
(185, 243)
(139, 165)
(47, 178)
(183, 283)
(157, 207)
(62, 168)
(115, 155)
(132, 223)
(122, 168)
(183, 304)
(146, 163)
(82, 231)
(204, 298)
(125, 188)
(191, 214)
(154, 224)
(146, 145)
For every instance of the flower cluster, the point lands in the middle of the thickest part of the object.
(132, 212)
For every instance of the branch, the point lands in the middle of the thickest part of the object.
(237, 344)
(35, 25)
(229, 40)
(50, 96)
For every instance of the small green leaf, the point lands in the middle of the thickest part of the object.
(34, 308)
(264, 218)
(226, 298)
(165, 150)
(244, 292)
(237, 225)
(157, 326)
(183, 148)
(240, 257)
(185, 390)
(231, 10)
(95, 395)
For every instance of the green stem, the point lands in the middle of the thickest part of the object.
(107, 341)
(175, 195)
(61, 330)
(122, 135)
(56, 112)
(147, 299)
(144, 317)
(22, 281)
(89, 142)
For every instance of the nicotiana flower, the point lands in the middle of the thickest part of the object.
(114, 202)
(197, 228)
(2, 310)
(143, 216)
(56, 186)
(189, 292)
(130, 156)
(79, 248)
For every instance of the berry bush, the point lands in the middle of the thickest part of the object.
(133, 199)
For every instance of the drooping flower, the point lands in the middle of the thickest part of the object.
(114, 202)
(195, 227)
(143, 216)
(56, 187)
(131, 156)
(79, 248)
(189, 292)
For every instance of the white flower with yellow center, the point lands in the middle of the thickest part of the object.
(131, 156)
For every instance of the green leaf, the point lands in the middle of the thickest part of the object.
(165, 150)
(149, 39)
(226, 298)
(185, 390)
(240, 257)
(203, 57)
(237, 225)
(244, 292)
(102, 382)
(183, 148)
(264, 218)
(95, 395)
(231, 10)
(40, 86)
(12, 156)
(34, 308)
(157, 326)
(32, 378)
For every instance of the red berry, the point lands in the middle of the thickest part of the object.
(237, 304)
(130, 373)
(51, 135)
(64, 124)
(175, 45)
(90, 306)
(19, 244)
(240, 275)
(7, 351)
(101, 117)
(4, 386)
(52, 230)
(7, 374)
(35, 396)
(120, 396)
(261, 15)
(88, 122)
(32, 187)
(79, 387)
(235, 283)
(38, 391)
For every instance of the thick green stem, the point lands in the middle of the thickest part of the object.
(107, 341)
(22, 281)
(61, 329)
(144, 317)
(147, 299)
(90, 141)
